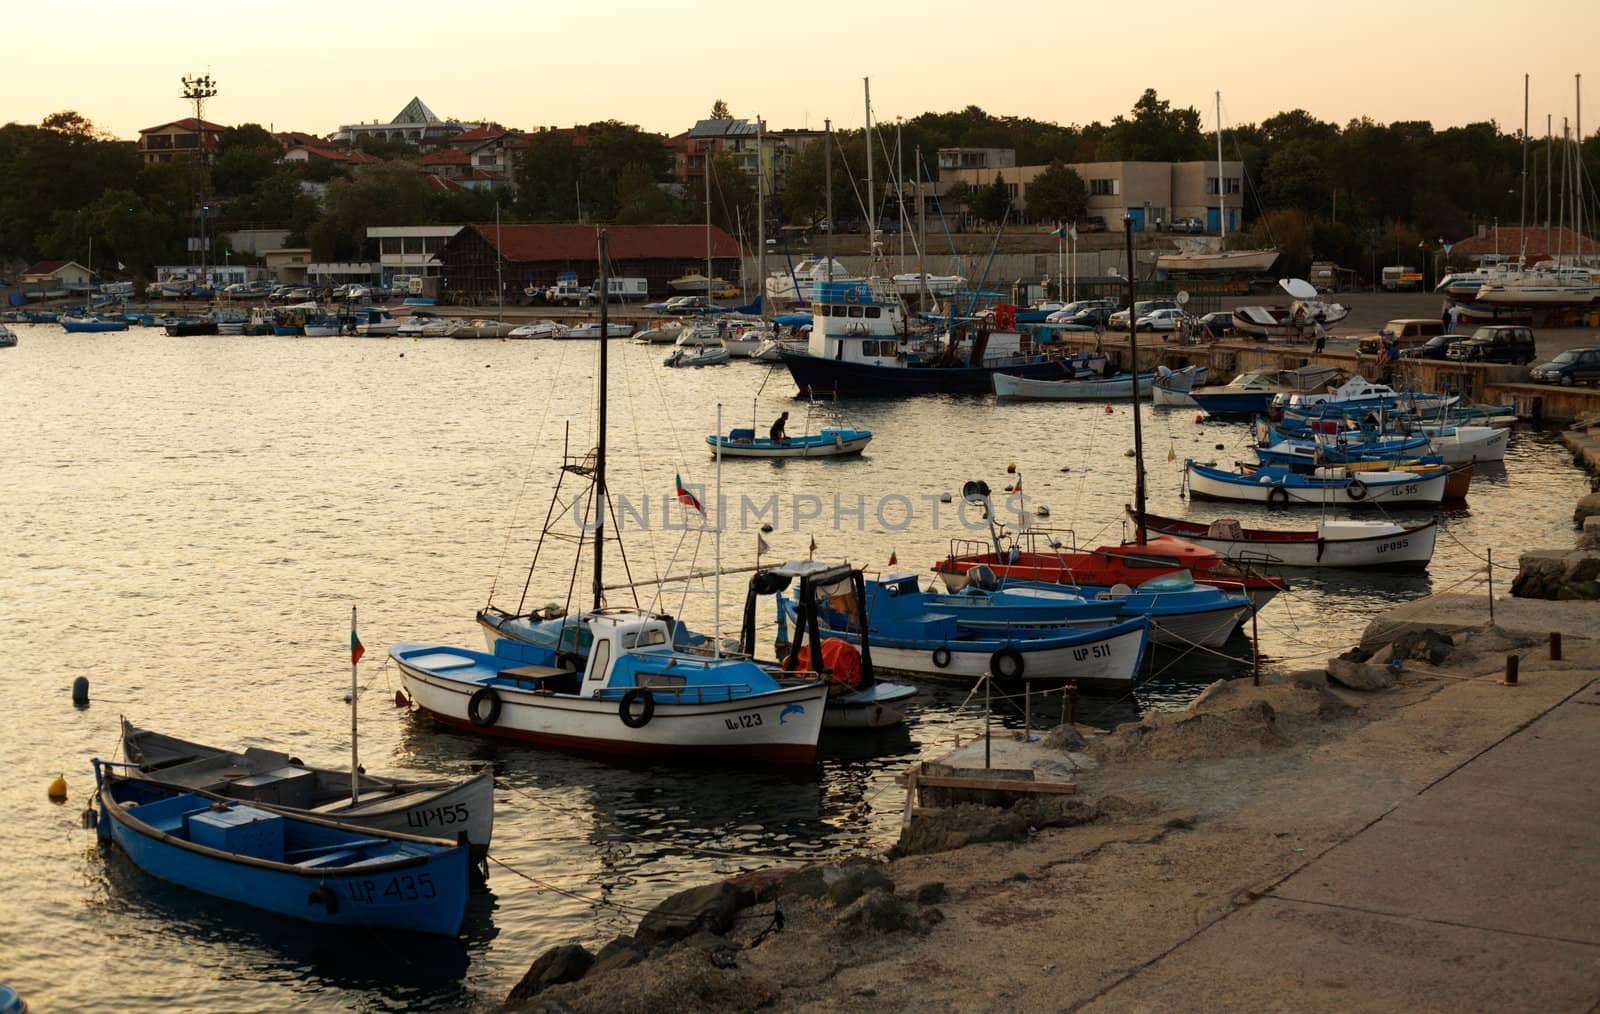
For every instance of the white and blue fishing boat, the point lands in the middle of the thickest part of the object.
(276, 781)
(910, 633)
(1325, 486)
(1333, 543)
(1171, 387)
(861, 344)
(831, 442)
(91, 325)
(303, 867)
(1358, 394)
(1114, 388)
(8, 338)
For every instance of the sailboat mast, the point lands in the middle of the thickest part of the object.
(1524, 227)
(1133, 351)
(1222, 220)
(922, 235)
(1577, 166)
(600, 437)
(709, 300)
(872, 203)
(499, 264)
(761, 224)
(900, 192)
(827, 186)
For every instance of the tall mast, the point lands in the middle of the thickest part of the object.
(1549, 175)
(499, 264)
(827, 186)
(872, 203)
(1577, 169)
(761, 236)
(600, 505)
(900, 192)
(709, 300)
(1222, 208)
(922, 237)
(1524, 226)
(1133, 351)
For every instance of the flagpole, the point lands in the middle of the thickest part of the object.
(355, 763)
(1061, 270)
(716, 583)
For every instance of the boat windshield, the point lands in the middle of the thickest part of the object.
(1179, 581)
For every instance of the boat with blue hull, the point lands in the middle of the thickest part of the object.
(861, 345)
(831, 442)
(91, 325)
(1326, 486)
(303, 867)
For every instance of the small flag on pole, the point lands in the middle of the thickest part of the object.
(685, 497)
(1072, 231)
(893, 559)
(761, 544)
(1059, 233)
(810, 552)
(357, 649)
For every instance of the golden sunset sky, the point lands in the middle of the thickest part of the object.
(313, 66)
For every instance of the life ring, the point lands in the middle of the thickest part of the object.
(475, 710)
(941, 657)
(625, 709)
(1356, 489)
(1277, 494)
(851, 295)
(1006, 664)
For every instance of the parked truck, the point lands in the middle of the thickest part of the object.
(1401, 278)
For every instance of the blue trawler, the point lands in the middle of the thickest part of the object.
(861, 344)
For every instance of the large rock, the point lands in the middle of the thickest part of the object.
(1588, 507)
(1589, 538)
(880, 912)
(854, 880)
(1558, 574)
(619, 953)
(711, 907)
(1360, 675)
(1428, 646)
(566, 963)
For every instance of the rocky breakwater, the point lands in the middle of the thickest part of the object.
(1565, 574)
(1179, 859)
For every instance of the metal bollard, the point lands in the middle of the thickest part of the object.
(1555, 645)
(1512, 661)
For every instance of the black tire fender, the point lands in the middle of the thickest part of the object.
(1006, 664)
(941, 657)
(1277, 494)
(1355, 489)
(485, 697)
(625, 708)
(323, 895)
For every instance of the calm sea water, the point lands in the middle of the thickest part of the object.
(188, 522)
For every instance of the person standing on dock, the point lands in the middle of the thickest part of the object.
(1322, 336)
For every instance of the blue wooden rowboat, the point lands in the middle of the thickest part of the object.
(302, 867)
(832, 442)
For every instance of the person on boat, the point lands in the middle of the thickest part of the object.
(776, 433)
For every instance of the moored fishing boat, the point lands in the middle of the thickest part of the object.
(1115, 388)
(277, 781)
(303, 867)
(831, 442)
(1326, 486)
(1333, 543)
(1171, 388)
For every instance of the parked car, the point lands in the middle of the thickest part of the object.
(1434, 348)
(1073, 309)
(684, 305)
(1161, 320)
(1119, 320)
(1091, 317)
(1186, 225)
(1496, 343)
(1408, 333)
(1570, 367)
(1218, 324)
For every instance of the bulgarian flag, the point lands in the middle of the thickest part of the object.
(357, 649)
(685, 497)
(1059, 233)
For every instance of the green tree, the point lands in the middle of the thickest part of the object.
(640, 199)
(547, 179)
(733, 199)
(719, 110)
(1296, 178)
(1058, 194)
(1155, 133)
(393, 193)
(804, 197)
(993, 202)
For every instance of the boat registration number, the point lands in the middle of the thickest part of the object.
(1390, 547)
(406, 887)
(438, 815)
(749, 721)
(1093, 651)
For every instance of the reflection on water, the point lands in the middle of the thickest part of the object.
(190, 521)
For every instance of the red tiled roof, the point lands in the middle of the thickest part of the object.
(485, 174)
(443, 183)
(445, 156)
(1542, 242)
(46, 267)
(628, 242)
(297, 138)
(187, 123)
(480, 134)
(333, 155)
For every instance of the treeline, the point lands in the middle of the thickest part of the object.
(1316, 188)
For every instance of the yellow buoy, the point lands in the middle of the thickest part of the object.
(58, 788)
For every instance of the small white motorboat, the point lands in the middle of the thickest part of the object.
(716, 356)
(539, 329)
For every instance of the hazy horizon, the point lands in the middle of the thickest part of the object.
(305, 69)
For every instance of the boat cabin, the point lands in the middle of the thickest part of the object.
(851, 322)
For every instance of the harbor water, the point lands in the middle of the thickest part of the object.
(188, 522)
